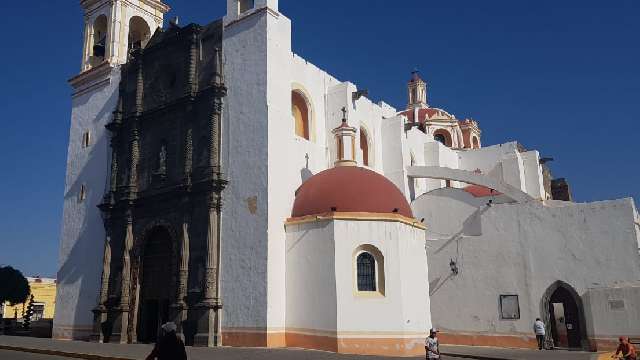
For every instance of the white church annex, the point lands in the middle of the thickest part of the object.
(330, 222)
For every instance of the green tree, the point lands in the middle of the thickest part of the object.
(26, 324)
(14, 287)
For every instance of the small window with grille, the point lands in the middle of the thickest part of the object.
(82, 195)
(366, 264)
(86, 139)
(38, 312)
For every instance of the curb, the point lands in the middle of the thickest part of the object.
(478, 357)
(75, 355)
(101, 357)
(62, 353)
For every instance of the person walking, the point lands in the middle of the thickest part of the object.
(538, 329)
(431, 345)
(170, 346)
(627, 350)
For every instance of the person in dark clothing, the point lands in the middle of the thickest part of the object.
(170, 346)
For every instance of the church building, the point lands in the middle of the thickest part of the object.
(220, 181)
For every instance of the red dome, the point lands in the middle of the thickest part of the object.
(349, 189)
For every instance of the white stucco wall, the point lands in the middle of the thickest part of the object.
(404, 309)
(395, 152)
(521, 249)
(311, 277)
(534, 185)
(82, 236)
(244, 248)
(280, 145)
(613, 311)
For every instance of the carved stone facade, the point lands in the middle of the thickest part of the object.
(162, 209)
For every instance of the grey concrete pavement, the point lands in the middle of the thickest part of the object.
(19, 355)
(79, 349)
(480, 352)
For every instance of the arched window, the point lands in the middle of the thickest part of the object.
(442, 136)
(139, 33)
(99, 37)
(300, 113)
(364, 146)
(476, 143)
(366, 267)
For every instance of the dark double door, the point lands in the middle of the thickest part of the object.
(156, 286)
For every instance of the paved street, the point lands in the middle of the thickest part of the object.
(139, 351)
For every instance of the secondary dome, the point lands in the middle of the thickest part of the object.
(349, 189)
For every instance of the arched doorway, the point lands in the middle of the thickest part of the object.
(564, 316)
(155, 284)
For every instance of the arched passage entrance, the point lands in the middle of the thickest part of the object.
(155, 284)
(564, 315)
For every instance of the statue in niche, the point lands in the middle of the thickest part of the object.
(161, 171)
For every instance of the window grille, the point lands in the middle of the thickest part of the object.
(366, 266)
(83, 193)
(86, 139)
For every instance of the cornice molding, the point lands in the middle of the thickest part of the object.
(356, 216)
(253, 13)
(155, 4)
(91, 78)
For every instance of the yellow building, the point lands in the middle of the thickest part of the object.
(44, 300)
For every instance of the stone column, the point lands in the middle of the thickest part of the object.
(125, 296)
(207, 334)
(180, 306)
(209, 307)
(100, 312)
(87, 44)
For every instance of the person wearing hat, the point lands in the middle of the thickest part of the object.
(431, 345)
(170, 346)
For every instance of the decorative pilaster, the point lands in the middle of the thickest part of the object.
(180, 306)
(87, 43)
(100, 312)
(125, 296)
(208, 322)
(188, 154)
(192, 83)
(134, 139)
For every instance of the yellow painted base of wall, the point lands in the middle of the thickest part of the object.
(507, 341)
(385, 346)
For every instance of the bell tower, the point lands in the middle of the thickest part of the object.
(417, 89)
(113, 27)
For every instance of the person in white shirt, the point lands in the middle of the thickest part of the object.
(538, 328)
(431, 345)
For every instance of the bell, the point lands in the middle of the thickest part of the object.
(98, 50)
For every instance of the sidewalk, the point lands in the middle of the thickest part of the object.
(490, 353)
(94, 351)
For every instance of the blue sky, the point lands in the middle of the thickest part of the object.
(562, 77)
